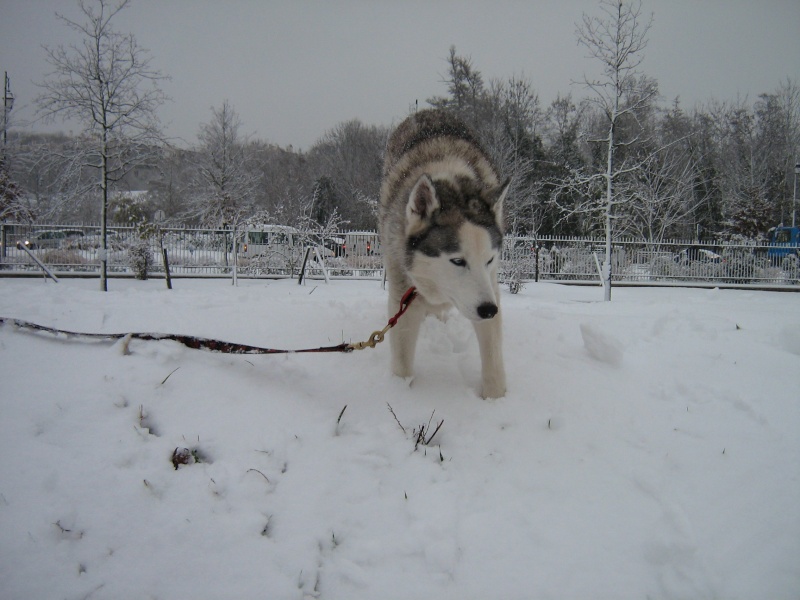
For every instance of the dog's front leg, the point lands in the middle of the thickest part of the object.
(490, 342)
(403, 338)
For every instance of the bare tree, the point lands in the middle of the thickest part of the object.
(224, 184)
(661, 194)
(105, 83)
(346, 164)
(465, 86)
(316, 233)
(617, 41)
(12, 202)
(510, 133)
(743, 169)
(562, 127)
(59, 177)
(778, 143)
(284, 180)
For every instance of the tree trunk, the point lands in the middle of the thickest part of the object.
(609, 216)
(104, 215)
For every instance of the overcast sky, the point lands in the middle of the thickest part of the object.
(294, 69)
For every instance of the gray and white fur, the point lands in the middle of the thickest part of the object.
(441, 227)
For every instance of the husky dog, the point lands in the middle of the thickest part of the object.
(441, 227)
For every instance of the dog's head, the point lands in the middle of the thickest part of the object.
(454, 238)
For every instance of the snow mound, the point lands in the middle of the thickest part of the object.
(601, 345)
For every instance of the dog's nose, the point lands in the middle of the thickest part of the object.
(487, 310)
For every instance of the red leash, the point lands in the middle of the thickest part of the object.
(199, 343)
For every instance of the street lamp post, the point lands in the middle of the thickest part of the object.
(8, 104)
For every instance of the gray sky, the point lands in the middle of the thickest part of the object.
(294, 69)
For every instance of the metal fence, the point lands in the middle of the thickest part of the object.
(276, 252)
(281, 251)
(638, 261)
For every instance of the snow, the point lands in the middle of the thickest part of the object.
(647, 447)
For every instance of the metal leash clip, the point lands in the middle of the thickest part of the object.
(378, 336)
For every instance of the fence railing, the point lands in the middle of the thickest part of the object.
(279, 252)
(276, 252)
(638, 261)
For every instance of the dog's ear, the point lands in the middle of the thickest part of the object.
(499, 196)
(422, 202)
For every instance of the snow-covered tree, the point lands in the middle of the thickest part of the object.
(12, 204)
(465, 87)
(107, 84)
(346, 164)
(778, 142)
(562, 130)
(661, 194)
(510, 133)
(223, 183)
(621, 94)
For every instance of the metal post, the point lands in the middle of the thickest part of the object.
(794, 194)
(42, 266)
(167, 274)
(8, 104)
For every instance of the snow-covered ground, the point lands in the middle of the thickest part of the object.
(647, 448)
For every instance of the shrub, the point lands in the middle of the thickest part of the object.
(140, 258)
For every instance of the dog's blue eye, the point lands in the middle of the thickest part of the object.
(459, 262)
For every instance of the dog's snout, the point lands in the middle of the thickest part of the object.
(487, 310)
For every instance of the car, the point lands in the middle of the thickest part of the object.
(361, 243)
(267, 240)
(334, 246)
(45, 239)
(698, 254)
(94, 240)
(783, 242)
(72, 234)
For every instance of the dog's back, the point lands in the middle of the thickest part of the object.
(422, 127)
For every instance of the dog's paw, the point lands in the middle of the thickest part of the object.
(402, 370)
(406, 380)
(493, 390)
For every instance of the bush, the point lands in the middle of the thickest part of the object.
(140, 258)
